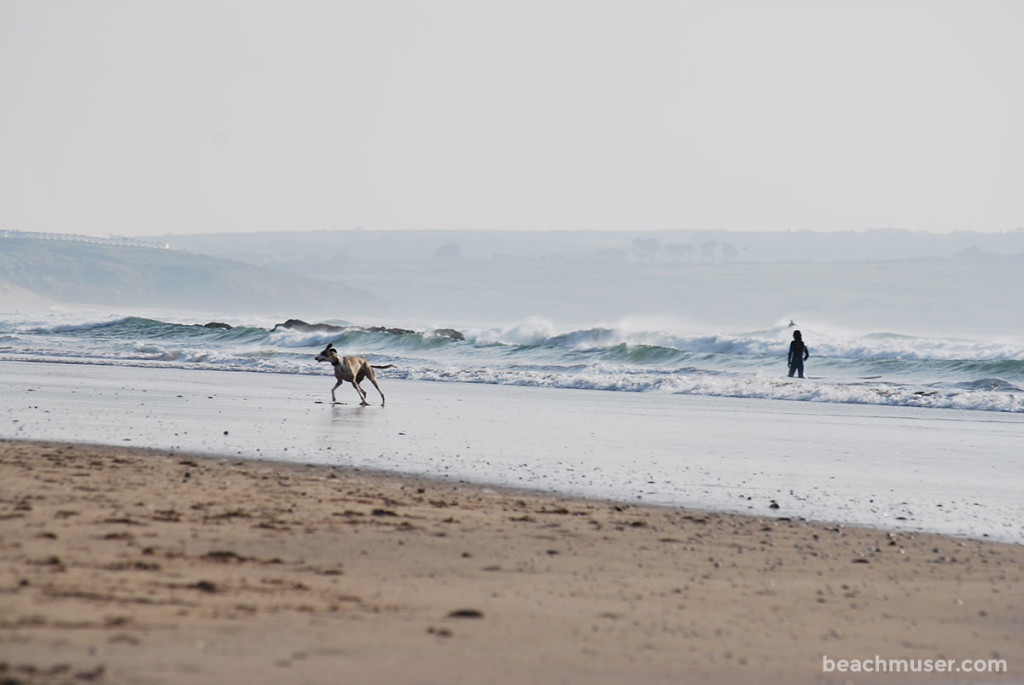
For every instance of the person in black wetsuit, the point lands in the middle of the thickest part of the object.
(797, 355)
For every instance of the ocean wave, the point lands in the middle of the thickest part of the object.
(990, 385)
(134, 327)
(772, 342)
(879, 368)
(541, 334)
(79, 327)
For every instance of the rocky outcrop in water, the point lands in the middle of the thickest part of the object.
(300, 325)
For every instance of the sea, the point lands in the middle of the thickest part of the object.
(866, 368)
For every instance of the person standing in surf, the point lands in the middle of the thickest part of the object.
(798, 354)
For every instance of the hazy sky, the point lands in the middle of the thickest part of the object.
(147, 117)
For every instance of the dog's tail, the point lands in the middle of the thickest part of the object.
(386, 366)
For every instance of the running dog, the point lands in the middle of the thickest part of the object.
(351, 370)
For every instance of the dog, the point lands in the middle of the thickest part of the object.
(351, 370)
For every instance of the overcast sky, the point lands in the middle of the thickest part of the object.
(138, 118)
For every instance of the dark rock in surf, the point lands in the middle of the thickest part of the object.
(391, 331)
(450, 333)
(300, 325)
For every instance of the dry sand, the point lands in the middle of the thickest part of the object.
(134, 566)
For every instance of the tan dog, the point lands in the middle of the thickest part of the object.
(351, 370)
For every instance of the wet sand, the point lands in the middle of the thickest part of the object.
(897, 468)
(146, 566)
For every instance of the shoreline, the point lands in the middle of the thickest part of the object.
(409, 479)
(943, 471)
(145, 565)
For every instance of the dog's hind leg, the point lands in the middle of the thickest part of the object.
(367, 372)
(362, 394)
(373, 380)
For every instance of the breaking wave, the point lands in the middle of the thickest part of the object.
(880, 368)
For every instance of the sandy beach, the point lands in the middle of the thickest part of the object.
(142, 566)
(167, 526)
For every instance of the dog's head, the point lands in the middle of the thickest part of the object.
(327, 355)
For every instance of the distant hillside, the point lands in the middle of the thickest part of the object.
(881, 280)
(330, 253)
(14, 298)
(84, 273)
